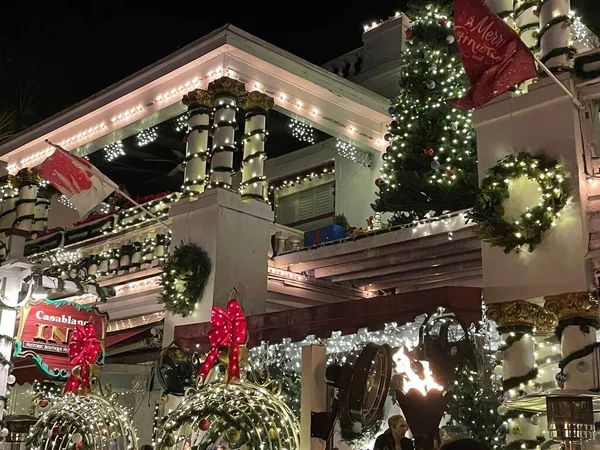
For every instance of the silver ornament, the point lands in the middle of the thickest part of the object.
(502, 410)
(431, 84)
(450, 39)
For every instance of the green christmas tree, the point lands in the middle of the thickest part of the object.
(430, 165)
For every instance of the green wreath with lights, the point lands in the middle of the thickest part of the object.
(185, 273)
(488, 211)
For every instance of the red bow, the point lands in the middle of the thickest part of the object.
(228, 329)
(83, 351)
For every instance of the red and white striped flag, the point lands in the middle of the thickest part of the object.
(77, 179)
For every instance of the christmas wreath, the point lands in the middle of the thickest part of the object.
(184, 276)
(488, 212)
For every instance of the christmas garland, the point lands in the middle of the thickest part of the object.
(184, 277)
(488, 212)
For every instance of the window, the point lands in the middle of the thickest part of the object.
(307, 209)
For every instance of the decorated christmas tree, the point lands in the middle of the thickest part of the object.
(430, 165)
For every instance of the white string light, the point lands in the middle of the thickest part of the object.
(146, 137)
(113, 151)
(302, 131)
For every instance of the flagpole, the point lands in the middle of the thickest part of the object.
(114, 186)
(557, 81)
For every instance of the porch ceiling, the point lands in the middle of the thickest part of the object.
(300, 89)
(445, 252)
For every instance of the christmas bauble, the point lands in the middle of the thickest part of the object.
(56, 431)
(450, 39)
(432, 68)
(435, 164)
(388, 137)
(79, 446)
(429, 152)
(273, 434)
(43, 403)
(204, 424)
(450, 173)
(498, 370)
(394, 125)
(502, 410)
(454, 126)
(431, 84)
(408, 33)
(378, 182)
(392, 110)
(11, 379)
(442, 21)
(77, 437)
(232, 435)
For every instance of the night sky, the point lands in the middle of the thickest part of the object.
(89, 45)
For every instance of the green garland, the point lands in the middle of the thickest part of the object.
(580, 63)
(488, 212)
(184, 277)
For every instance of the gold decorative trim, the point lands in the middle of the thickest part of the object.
(518, 312)
(226, 85)
(572, 304)
(257, 99)
(197, 98)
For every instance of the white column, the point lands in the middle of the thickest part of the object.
(200, 104)
(256, 105)
(26, 206)
(526, 22)
(42, 208)
(577, 315)
(226, 91)
(313, 393)
(555, 34)
(8, 212)
(503, 8)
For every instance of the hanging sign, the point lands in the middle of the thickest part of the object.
(45, 328)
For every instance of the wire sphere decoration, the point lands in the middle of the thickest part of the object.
(83, 422)
(236, 415)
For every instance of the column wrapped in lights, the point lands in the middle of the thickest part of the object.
(27, 181)
(226, 92)
(527, 22)
(554, 37)
(256, 105)
(8, 212)
(578, 322)
(42, 207)
(200, 104)
(503, 8)
(516, 323)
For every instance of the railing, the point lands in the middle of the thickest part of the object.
(347, 65)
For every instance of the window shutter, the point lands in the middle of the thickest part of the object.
(323, 199)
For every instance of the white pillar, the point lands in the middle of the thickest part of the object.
(313, 393)
(516, 322)
(503, 8)
(527, 22)
(8, 212)
(26, 204)
(42, 208)
(577, 315)
(226, 91)
(200, 104)
(256, 105)
(554, 36)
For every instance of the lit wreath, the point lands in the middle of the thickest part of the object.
(185, 273)
(488, 212)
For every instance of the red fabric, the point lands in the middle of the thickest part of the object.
(494, 57)
(228, 329)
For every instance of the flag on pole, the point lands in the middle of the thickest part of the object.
(494, 57)
(77, 179)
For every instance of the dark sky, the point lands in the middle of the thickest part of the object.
(93, 44)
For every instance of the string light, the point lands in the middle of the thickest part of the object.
(64, 200)
(113, 151)
(302, 131)
(146, 137)
(350, 152)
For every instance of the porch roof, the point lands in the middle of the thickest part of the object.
(300, 89)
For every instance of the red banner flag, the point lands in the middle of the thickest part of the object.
(76, 178)
(494, 57)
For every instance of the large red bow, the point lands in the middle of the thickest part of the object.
(228, 329)
(83, 351)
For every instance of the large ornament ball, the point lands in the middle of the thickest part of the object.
(11, 379)
(233, 436)
(429, 152)
(454, 126)
(55, 431)
(4, 432)
(43, 403)
(273, 434)
(378, 182)
(431, 84)
(79, 446)
(535, 419)
(498, 370)
(537, 387)
(450, 39)
(409, 33)
(204, 424)
(502, 410)
(500, 355)
(77, 437)
(442, 21)
(435, 164)
(450, 173)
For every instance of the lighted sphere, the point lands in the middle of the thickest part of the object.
(91, 418)
(242, 413)
(4, 432)
(11, 379)
(450, 39)
(498, 370)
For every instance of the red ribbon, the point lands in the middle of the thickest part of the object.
(83, 351)
(228, 329)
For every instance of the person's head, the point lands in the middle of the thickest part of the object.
(398, 425)
(465, 444)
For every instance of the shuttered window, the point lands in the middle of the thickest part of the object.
(307, 205)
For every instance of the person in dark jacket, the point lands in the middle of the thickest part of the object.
(394, 438)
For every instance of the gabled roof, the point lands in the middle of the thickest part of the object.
(300, 89)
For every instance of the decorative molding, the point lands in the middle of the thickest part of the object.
(515, 313)
(572, 304)
(198, 98)
(257, 100)
(228, 86)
